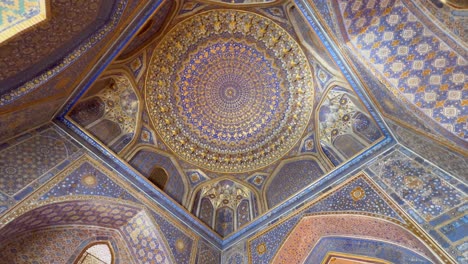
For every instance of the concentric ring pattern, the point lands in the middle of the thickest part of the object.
(229, 91)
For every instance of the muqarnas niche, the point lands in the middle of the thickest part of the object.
(109, 112)
(225, 205)
(345, 126)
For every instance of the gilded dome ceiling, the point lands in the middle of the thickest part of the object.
(229, 91)
(217, 141)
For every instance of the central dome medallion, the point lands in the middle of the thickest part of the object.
(229, 91)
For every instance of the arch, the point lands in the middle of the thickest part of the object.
(159, 177)
(225, 221)
(325, 147)
(100, 251)
(197, 189)
(118, 256)
(362, 249)
(344, 128)
(304, 237)
(224, 204)
(145, 158)
(79, 212)
(112, 111)
(93, 215)
(136, 131)
(206, 213)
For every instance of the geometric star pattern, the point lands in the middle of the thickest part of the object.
(23, 163)
(411, 58)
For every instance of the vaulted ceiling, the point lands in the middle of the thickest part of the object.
(43, 64)
(229, 111)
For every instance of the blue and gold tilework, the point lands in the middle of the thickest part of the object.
(416, 63)
(87, 180)
(196, 177)
(97, 213)
(345, 126)
(26, 161)
(225, 205)
(308, 144)
(61, 245)
(434, 199)
(137, 66)
(428, 193)
(450, 19)
(452, 162)
(180, 243)
(147, 136)
(121, 103)
(207, 254)
(220, 95)
(145, 160)
(358, 196)
(94, 197)
(111, 115)
(364, 247)
(147, 243)
(258, 180)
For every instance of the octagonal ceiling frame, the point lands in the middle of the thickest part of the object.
(325, 183)
(342, 172)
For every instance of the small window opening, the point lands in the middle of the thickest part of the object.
(97, 253)
(159, 177)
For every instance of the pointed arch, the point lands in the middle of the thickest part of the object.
(93, 216)
(301, 241)
(111, 110)
(99, 251)
(147, 160)
(344, 127)
(225, 204)
(159, 177)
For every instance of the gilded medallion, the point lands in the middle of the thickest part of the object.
(229, 91)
